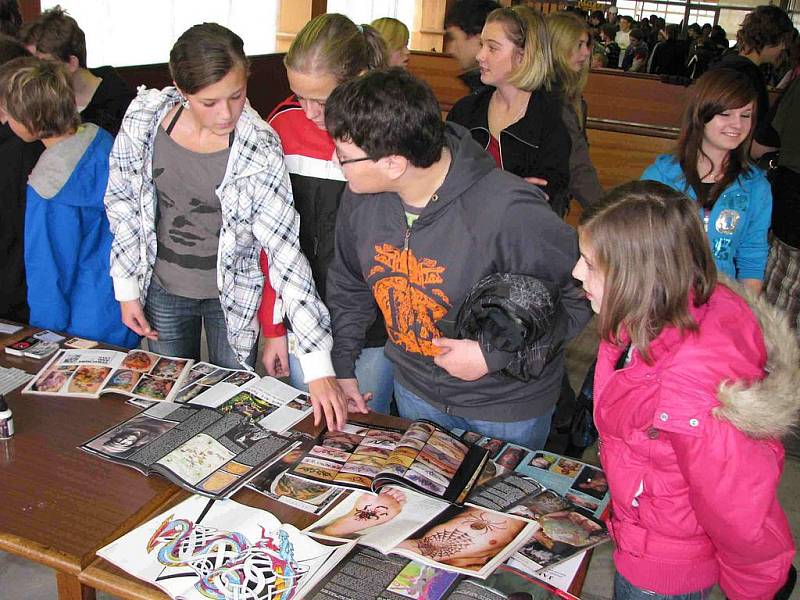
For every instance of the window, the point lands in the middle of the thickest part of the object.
(143, 32)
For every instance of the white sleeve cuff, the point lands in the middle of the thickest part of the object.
(316, 364)
(126, 288)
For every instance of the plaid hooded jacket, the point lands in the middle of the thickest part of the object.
(257, 211)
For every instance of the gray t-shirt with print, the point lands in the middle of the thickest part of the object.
(189, 217)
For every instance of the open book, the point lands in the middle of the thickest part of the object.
(201, 449)
(424, 457)
(204, 549)
(90, 373)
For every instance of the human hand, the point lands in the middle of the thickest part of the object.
(328, 400)
(462, 359)
(133, 317)
(356, 401)
(276, 356)
(539, 182)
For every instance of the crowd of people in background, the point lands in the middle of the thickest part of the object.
(359, 233)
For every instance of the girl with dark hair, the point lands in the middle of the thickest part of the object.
(711, 166)
(517, 117)
(329, 50)
(197, 187)
(689, 418)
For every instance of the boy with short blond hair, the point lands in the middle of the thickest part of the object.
(67, 236)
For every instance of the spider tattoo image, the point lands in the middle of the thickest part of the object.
(444, 544)
(482, 524)
(368, 514)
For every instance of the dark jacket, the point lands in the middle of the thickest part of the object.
(483, 221)
(668, 58)
(535, 146)
(584, 184)
(17, 159)
(110, 100)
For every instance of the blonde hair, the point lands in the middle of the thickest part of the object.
(566, 29)
(648, 240)
(394, 32)
(527, 30)
(332, 43)
(39, 94)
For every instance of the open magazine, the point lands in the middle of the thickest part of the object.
(90, 373)
(369, 575)
(464, 539)
(201, 449)
(563, 496)
(204, 549)
(424, 457)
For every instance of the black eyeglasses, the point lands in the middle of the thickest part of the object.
(353, 160)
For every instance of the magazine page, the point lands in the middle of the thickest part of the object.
(197, 448)
(205, 377)
(505, 491)
(78, 373)
(560, 576)
(147, 376)
(350, 457)
(310, 496)
(462, 539)
(268, 401)
(367, 574)
(204, 549)
(433, 461)
(506, 582)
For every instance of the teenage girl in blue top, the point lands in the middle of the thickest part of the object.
(711, 165)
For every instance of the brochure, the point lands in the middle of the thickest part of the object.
(201, 449)
(204, 549)
(424, 457)
(90, 373)
(462, 539)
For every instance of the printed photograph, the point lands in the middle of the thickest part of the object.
(53, 379)
(511, 457)
(568, 528)
(591, 481)
(168, 367)
(218, 481)
(359, 469)
(239, 378)
(543, 460)
(546, 502)
(425, 483)
(422, 582)
(315, 471)
(247, 405)
(493, 446)
(566, 467)
(438, 460)
(381, 438)
(246, 434)
(354, 479)
(153, 388)
(302, 402)
(346, 442)
(139, 360)
(432, 474)
(215, 377)
(122, 380)
(452, 448)
(470, 437)
(126, 438)
(196, 459)
(190, 392)
(301, 489)
(87, 380)
(582, 502)
(330, 453)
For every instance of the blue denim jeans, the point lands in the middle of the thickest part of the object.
(375, 373)
(531, 433)
(625, 590)
(179, 322)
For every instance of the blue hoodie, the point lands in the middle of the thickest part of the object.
(739, 221)
(68, 241)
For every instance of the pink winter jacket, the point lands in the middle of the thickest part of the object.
(693, 459)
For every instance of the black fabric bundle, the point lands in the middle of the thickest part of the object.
(516, 314)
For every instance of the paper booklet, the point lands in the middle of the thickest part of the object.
(366, 574)
(90, 373)
(205, 549)
(463, 539)
(424, 457)
(204, 450)
(563, 496)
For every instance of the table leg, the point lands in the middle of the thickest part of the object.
(69, 588)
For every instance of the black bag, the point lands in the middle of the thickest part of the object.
(582, 432)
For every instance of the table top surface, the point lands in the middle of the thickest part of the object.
(60, 504)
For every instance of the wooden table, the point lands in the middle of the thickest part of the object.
(60, 504)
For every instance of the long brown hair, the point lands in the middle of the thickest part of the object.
(715, 92)
(566, 29)
(649, 242)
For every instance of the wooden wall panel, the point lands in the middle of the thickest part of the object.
(620, 157)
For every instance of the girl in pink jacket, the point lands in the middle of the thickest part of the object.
(694, 387)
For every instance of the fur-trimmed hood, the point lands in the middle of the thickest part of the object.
(768, 408)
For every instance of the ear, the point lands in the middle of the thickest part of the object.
(73, 64)
(395, 166)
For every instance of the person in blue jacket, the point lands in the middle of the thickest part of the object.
(67, 235)
(711, 165)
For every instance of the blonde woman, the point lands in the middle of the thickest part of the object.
(570, 43)
(518, 119)
(395, 33)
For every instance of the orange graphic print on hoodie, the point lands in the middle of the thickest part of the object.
(408, 297)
